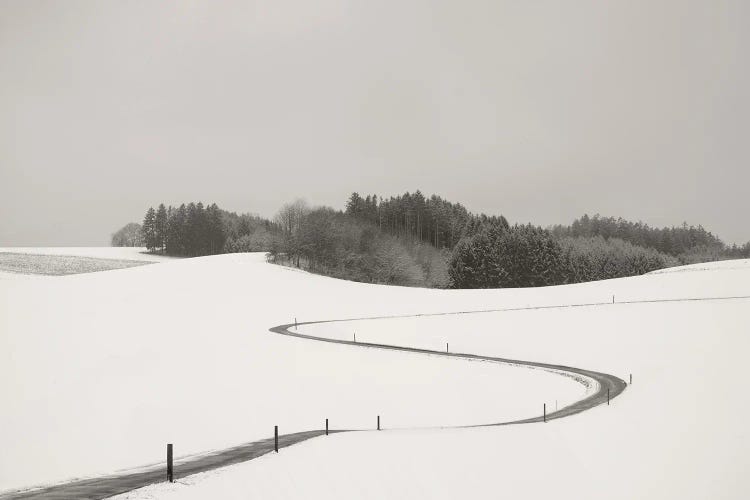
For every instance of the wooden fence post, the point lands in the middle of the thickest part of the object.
(170, 465)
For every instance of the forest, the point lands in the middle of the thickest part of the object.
(689, 244)
(193, 229)
(414, 240)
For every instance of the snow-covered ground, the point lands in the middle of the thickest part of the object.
(99, 371)
(119, 253)
(29, 263)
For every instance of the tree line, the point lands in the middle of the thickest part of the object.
(415, 240)
(686, 242)
(430, 220)
(193, 229)
(526, 256)
(341, 245)
(188, 230)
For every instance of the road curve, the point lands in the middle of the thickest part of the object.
(608, 386)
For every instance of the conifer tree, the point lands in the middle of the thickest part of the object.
(355, 206)
(160, 227)
(191, 229)
(149, 229)
(176, 231)
(216, 232)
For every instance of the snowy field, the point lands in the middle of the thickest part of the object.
(30, 262)
(122, 362)
(115, 253)
(59, 265)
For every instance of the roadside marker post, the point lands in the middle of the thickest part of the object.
(607, 397)
(326, 427)
(631, 379)
(355, 336)
(170, 465)
(276, 438)
(446, 347)
(295, 324)
(378, 422)
(545, 413)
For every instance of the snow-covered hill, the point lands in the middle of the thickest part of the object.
(99, 371)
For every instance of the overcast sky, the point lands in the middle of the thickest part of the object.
(538, 110)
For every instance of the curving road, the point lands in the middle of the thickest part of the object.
(607, 386)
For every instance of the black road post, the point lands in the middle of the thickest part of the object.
(613, 299)
(446, 347)
(276, 438)
(607, 397)
(378, 422)
(355, 336)
(545, 412)
(170, 467)
(631, 379)
(295, 324)
(326, 427)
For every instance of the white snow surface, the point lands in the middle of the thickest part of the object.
(119, 253)
(108, 253)
(99, 371)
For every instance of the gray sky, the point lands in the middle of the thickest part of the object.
(537, 110)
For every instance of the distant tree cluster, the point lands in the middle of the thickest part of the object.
(187, 230)
(597, 258)
(128, 236)
(192, 229)
(393, 241)
(415, 240)
(247, 233)
(526, 256)
(338, 244)
(259, 240)
(729, 252)
(496, 256)
(430, 220)
(673, 241)
(690, 244)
